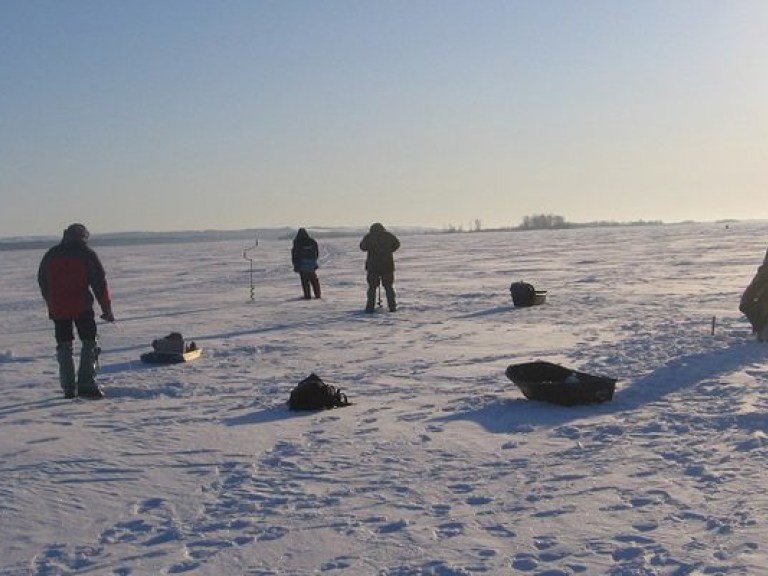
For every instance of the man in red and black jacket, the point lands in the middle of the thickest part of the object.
(70, 276)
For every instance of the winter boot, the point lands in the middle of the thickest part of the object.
(66, 369)
(315, 286)
(391, 300)
(86, 374)
(305, 286)
(389, 290)
(371, 301)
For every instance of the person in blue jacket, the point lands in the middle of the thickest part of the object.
(304, 255)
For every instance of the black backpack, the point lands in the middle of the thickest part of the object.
(314, 394)
(523, 294)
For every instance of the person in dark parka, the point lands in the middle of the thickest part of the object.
(70, 276)
(304, 255)
(380, 244)
(754, 302)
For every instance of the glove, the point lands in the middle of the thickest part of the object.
(107, 315)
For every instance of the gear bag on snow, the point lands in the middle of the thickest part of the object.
(524, 294)
(314, 394)
(172, 344)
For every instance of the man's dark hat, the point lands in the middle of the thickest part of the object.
(76, 233)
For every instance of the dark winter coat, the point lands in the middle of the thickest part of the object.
(69, 276)
(754, 300)
(380, 245)
(304, 253)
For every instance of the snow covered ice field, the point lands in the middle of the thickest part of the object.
(441, 466)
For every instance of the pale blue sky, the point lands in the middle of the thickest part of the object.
(188, 114)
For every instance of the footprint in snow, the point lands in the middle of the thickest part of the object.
(149, 505)
(271, 533)
(500, 531)
(125, 532)
(479, 500)
(633, 539)
(462, 488)
(645, 526)
(525, 562)
(441, 509)
(183, 567)
(449, 530)
(554, 512)
(57, 559)
(392, 527)
(340, 563)
(544, 542)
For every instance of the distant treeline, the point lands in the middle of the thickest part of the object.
(551, 222)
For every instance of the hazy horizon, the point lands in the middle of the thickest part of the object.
(276, 232)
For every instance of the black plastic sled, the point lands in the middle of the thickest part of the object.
(548, 382)
(171, 349)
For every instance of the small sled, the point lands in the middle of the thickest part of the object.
(171, 349)
(548, 382)
(171, 358)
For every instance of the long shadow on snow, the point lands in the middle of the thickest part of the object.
(125, 319)
(127, 366)
(687, 371)
(521, 415)
(119, 367)
(170, 313)
(304, 323)
(270, 415)
(488, 312)
(18, 359)
(163, 390)
(21, 407)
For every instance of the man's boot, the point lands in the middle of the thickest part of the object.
(391, 298)
(315, 285)
(370, 304)
(86, 374)
(66, 369)
(305, 287)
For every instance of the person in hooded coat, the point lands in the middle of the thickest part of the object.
(70, 277)
(754, 302)
(380, 244)
(304, 255)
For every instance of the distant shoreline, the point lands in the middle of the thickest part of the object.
(284, 233)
